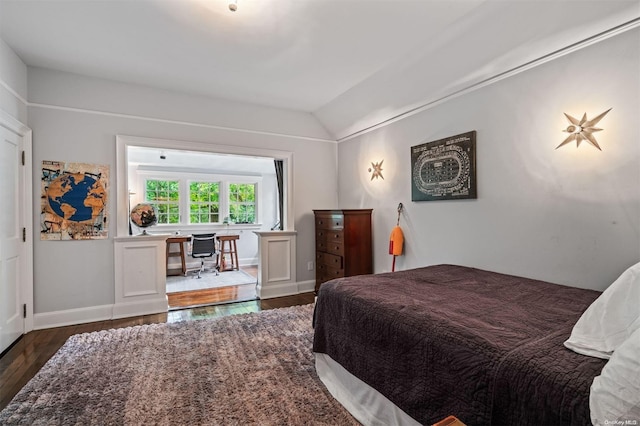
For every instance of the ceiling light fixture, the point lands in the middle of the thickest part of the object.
(581, 130)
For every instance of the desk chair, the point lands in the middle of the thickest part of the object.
(203, 246)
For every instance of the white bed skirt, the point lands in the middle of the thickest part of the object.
(366, 404)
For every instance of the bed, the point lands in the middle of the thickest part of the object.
(417, 346)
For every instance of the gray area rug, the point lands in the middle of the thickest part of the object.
(250, 369)
(208, 280)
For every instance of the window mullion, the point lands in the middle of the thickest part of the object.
(224, 199)
(184, 201)
(257, 200)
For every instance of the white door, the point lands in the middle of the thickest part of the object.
(11, 313)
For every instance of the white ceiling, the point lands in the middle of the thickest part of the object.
(353, 63)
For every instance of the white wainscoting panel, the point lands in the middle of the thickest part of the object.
(140, 275)
(276, 264)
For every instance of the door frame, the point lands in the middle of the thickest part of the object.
(26, 208)
(122, 172)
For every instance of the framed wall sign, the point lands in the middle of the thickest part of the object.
(444, 169)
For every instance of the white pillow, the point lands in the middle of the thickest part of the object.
(615, 393)
(610, 319)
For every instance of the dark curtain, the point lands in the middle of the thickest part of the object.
(279, 176)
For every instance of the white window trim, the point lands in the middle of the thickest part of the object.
(184, 178)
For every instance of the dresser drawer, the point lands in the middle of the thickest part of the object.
(324, 260)
(330, 222)
(332, 273)
(335, 236)
(330, 235)
(333, 261)
(327, 274)
(332, 247)
(335, 248)
(321, 245)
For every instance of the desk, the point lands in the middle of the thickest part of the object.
(232, 251)
(177, 240)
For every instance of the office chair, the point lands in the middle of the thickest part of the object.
(202, 247)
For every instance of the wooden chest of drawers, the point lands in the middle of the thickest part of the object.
(343, 244)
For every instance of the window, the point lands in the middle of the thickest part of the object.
(242, 202)
(204, 202)
(164, 195)
(182, 199)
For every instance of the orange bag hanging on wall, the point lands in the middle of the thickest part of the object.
(396, 240)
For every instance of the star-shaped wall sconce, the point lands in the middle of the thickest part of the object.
(581, 130)
(376, 170)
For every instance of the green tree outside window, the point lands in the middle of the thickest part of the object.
(204, 202)
(242, 202)
(164, 196)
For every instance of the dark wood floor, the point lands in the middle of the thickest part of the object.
(20, 363)
(211, 296)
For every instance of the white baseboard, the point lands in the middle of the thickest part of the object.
(306, 286)
(143, 307)
(286, 289)
(98, 313)
(248, 261)
(72, 317)
(277, 290)
(152, 306)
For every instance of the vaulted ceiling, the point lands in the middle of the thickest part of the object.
(352, 63)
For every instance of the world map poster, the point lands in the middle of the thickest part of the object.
(74, 201)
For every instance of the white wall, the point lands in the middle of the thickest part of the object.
(72, 90)
(13, 84)
(435, 68)
(79, 274)
(570, 216)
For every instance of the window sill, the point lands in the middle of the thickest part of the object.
(190, 229)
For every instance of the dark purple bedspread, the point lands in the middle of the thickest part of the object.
(451, 340)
